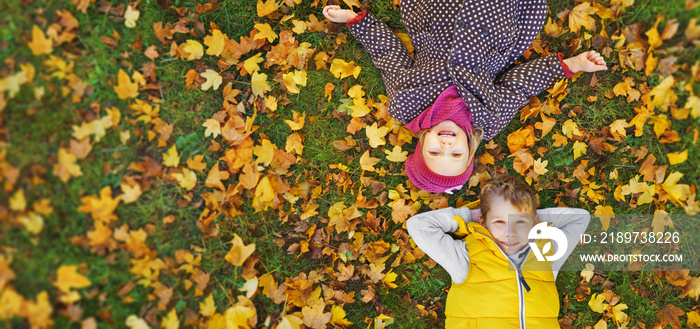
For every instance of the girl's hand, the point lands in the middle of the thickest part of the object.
(589, 61)
(337, 15)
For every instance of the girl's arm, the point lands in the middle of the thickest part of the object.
(429, 231)
(572, 221)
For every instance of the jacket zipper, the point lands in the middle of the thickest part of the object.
(518, 278)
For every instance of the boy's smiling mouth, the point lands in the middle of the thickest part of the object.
(508, 244)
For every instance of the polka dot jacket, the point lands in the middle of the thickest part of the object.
(467, 43)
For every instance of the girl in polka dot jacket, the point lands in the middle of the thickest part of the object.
(458, 89)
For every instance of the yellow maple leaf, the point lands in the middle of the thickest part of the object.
(170, 321)
(32, 222)
(621, 88)
(618, 127)
(213, 128)
(264, 194)
(68, 278)
(299, 26)
(237, 316)
(661, 123)
(125, 88)
(215, 42)
(208, 308)
(251, 64)
(546, 125)
(215, 176)
(239, 252)
(313, 315)
(587, 272)
(570, 128)
(17, 201)
(131, 15)
(265, 32)
(559, 140)
(187, 179)
(653, 36)
(677, 192)
(338, 316)
(596, 303)
(342, 69)
(290, 322)
(134, 322)
(580, 17)
(40, 44)
(131, 192)
(171, 158)
(389, 279)
(605, 214)
(266, 8)
(396, 154)
(66, 166)
(258, 83)
(265, 152)
(693, 103)
(601, 325)
(196, 163)
(250, 287)
(579, 149)
(376, 135)
(213, 79)
(192, 49)
(617, 313)
(297, 121)
(39, 313)
(294, 144)
(662, 96)
(352, 3)
(540, 166)
(693, 319)
(677, 157)
(552, 28)
(367, 162)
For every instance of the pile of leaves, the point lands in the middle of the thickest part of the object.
(215, 171)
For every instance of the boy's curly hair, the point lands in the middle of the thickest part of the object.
(520, 195)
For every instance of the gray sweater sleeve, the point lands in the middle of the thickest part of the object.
(572, 221)
(429, 231)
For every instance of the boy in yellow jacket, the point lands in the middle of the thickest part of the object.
(505, 263)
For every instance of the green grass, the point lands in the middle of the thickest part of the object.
(35, 129)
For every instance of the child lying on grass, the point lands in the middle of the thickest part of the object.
(459, 86)
(498, 279)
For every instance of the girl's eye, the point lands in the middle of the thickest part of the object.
(456, 155)
(433, 153)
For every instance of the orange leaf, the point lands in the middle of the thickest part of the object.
(125, 88)
(580, 17)
(196, 163)
(367, 162)
(266, 8)
(215, 176)
(40, 44)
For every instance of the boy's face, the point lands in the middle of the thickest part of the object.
(446, 149)
(508, 225)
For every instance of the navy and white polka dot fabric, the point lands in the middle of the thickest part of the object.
(467, 43)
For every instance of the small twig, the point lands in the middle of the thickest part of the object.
(112, 149)
(628, 166)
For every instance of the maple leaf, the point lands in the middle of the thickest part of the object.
(266, 8)
(290, 322)
(170, 321)
(187, 179)
(208, 308)
(193, 49)
(68, 278)
(265, 32)
(617, 128)
(621, 88)
(125, 88)
(291, 80)
(653, 36)
(662, 96)
(587, 272)
(523, 137)
(297, 121)
(676, 192)
(540, 167)
(17, 201)
(251, 64)
(367, 162)
(66, 166)
(396, 154)
(559, 140)
(552, 28)
(376, 135)
(314, 317)
(693, 319)
(389, 279)
(265, 152)
(693, 103)
(239, 252)
(131, 190)
(131, 15)
(215, 176)
(299, 27)
(605, 213)
(32, 222)
(264, 194)
(570, 128)
(338, 316)
(196, 163)
(213, 80)
(596, 303)
(580, 17)
(171, 158)
(342, 69)
(669, 315)
(677, 157)
(250, 287)
(259, 84)
(216, 42)
(40, 44)
(213, 128)
(601, 325)
(294, 144)
(352, 3)
(579, 149)
(134, 322)
(546, 125)
(38, 313)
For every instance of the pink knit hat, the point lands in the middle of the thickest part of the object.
(426, 179)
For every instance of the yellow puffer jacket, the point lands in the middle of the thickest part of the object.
(496, 295)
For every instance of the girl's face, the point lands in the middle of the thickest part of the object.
(445, 149)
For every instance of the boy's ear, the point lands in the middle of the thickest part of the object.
(537, 218)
